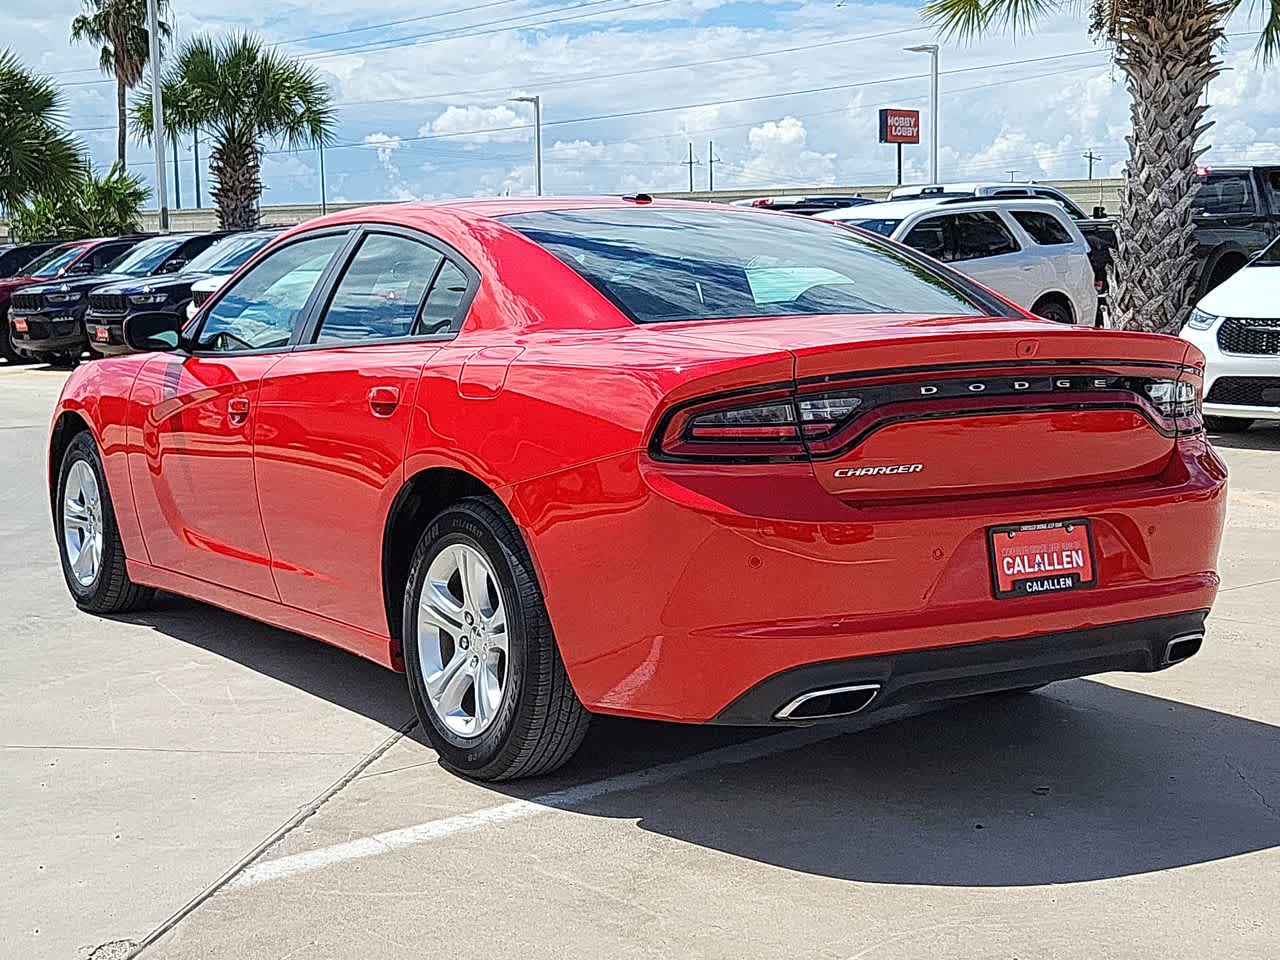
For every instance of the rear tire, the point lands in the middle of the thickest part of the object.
(1227, 424)
(83, 515)
(531, 721)
(1054, 310)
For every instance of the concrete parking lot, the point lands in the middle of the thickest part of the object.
(204, 786)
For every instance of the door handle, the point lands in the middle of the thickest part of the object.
(238, 410)
(384, 400)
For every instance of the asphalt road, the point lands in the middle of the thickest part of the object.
(209, 787)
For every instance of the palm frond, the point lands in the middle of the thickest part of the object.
(967, 19)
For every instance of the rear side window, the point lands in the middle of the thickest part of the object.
(381, 291)
(1224, 194)
(980, 235)
(930, 238)
(661, 264)
(442, 312)
(1044, 228)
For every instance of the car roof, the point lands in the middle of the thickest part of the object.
(902, 209)
(974, 186)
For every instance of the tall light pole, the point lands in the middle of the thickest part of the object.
(931, 49)
(537, 138)
(157, 115)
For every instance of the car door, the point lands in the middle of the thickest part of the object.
(333, 419)
(193, 477)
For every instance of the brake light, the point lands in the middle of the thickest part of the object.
(762, 202)
(1178, 403)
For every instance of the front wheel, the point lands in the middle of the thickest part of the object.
(92, 554)
(1054, 310)
(485, 674)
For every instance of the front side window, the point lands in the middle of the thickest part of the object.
(265, 308)
(930, 238)
(105, 254)
(1044, 228)
(381, 292)
(1074, 212)
(981, 235)
(661, 264)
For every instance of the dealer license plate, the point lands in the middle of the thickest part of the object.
(1031, 559)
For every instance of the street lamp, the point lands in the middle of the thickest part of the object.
(537, 137)
(157, 115)
(932, 50)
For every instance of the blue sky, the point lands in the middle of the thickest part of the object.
(423, 105)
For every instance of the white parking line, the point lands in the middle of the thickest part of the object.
(569, 797)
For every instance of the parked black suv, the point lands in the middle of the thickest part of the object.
(47, 320)
(110, 303)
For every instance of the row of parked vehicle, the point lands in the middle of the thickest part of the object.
(65, 299)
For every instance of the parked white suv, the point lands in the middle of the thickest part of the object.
(1026, 250)
(1237, 326)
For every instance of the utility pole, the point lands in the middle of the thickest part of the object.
(1091, 157)
(712, 160)
(324, 203)
(536, 100)
(1012, 174)
(177, 181)
(157, 115)
(690, 163)
(195, 162)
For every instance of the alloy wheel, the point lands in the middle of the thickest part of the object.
(82, 523)
(462, 640)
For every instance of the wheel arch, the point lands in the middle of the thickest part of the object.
(422, 496)
(1224, 253)
(66, 426)
(1058, 297)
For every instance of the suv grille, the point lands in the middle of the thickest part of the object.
(1238, 335)
(1246, 391)
(26, 301)
(107, 302)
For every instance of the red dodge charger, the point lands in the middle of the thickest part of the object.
(570, 456)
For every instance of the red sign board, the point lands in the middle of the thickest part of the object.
(899, 126)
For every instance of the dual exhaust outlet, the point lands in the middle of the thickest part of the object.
(831, 702)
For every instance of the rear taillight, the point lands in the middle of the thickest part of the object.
(759, 426)
(1177, 402)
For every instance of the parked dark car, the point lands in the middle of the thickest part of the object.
(1239, 214)
(47, 321)
(15, 256)
(111, 303)
(805, 204)
(74, 259)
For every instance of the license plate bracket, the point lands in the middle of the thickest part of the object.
(1041, 557)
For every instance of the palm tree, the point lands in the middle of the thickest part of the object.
(240, 93)
(35, 152)
(86, 206)
(1167, 51)
(120, 26)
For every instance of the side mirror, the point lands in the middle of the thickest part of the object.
(173, 266)
(151, 332)
(1099, 212)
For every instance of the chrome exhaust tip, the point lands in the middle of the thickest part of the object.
(829, 702)
(1182, 648)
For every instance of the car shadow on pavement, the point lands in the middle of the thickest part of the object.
(1259, 437)
(320, 670)
(1079, 781)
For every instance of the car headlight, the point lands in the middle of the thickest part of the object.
(1200, 320)
(143, 299)
(70, 297)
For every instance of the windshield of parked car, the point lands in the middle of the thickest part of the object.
(51, 261)
(663, 264)
(146, 257)
(226, 255)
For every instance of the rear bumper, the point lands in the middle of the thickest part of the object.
(673, 591)
(923, 676)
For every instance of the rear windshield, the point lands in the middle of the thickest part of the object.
(883, 227)
(662, 264)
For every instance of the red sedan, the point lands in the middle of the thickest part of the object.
(685, 462)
